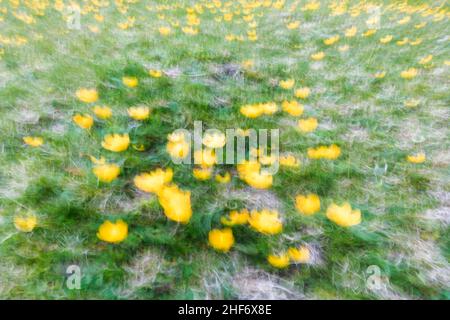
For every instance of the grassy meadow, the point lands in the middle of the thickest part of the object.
(91, 92)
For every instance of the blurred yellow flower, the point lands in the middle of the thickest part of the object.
(225, 178)
(153, 181)
(307, 204)
(426, 59)
(299, 255)
(411, 103)
(87, 95)
(417, 158)
(379, 74)
(205, 157)
(251, 110)
(236, 218)
(287, 84)
(176, 203)
(33, 141)
(293, 25)
(409, 73)
(280, 261)
(343, 215)
(214, 140)
(106, 172)
(386, 39)
(332, 40)
(155, 73)
(266, 221)
(113, 232)
(302, 93)
(165, 31)
(202, 173)
(318, 56)
(130, 82)
(102, 112)
(139, 113)
(289, 161)
(221, 239)
(116, 142)
(351, 32)
(258, 180)
(307, 125)
(83, 121)
(292, 107)
(26, 222)
(323, 152)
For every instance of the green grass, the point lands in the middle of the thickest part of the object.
(401, 231)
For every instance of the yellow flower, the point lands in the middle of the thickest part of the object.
(176, 203)
(33, 141)
(190, 30)
(103, 112)
(153, 181)
(412, 103)
(116, 142)
(236, 218)
(179, 149)
(293, 25)
(165, 31)
(223, 178)
(369, 32)
(318, 56)
(343, 215)
(323, 152)
(331, 40)
(287, 84)
(258, 180)
(379, 74)
(113, 232)
(426, 59)
(307, 125)
(404, 20)
(307, 204)
(139, 113)
(266, 221)
(351, 32)
(299, 255)
(251, 110)
(221, 239)
(292, 107)
(87, 95)
(84, 122)
(248, 64)
(409, 73)
(130, 82)
(386, 39)
(279, 261)
(202, 173)
(403, 41)
(155, 73)
(416, 42)
(214, 140)
(269, 107)
(289, 161)
(302, 93)
(205, 157)
(417, 158)
(106, 172)
(420, 25)
(25, 223)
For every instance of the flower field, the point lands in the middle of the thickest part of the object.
(224, 149)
